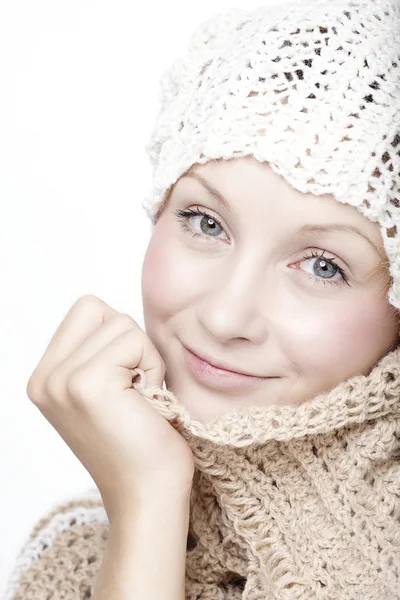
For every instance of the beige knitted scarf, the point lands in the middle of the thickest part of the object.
(296, 502)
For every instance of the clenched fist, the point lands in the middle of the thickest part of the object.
(82, 385)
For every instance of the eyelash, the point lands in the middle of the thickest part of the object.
(184, 215)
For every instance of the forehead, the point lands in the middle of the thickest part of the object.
(247, 178)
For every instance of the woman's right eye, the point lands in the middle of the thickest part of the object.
(208, 223)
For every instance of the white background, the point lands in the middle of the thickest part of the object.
(78, 100)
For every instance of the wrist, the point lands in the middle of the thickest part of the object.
(156, 514)
(152, 499)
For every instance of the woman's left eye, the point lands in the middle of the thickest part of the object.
(325, 266)
(208, 224)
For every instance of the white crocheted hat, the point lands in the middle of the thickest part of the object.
(311, 87)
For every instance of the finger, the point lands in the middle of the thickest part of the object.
(99, 338)
(131, 349)
(85, 316)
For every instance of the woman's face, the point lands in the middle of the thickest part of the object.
(255, 294)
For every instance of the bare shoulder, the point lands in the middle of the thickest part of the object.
(63, 552)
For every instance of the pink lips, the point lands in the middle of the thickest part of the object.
(215, 377)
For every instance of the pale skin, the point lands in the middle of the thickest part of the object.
(245, 295)
(142, 466)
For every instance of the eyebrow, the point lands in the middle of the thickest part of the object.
(326, 228)
(329, 227)
(211, 190)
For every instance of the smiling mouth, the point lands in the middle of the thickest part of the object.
(222, 370)
(230, 382)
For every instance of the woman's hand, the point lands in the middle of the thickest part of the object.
(82, 385)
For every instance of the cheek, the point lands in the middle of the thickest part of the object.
(168, 280)
(350, 334)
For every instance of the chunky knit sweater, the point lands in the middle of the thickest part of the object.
(288, 502)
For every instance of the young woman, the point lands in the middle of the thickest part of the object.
(268, 464)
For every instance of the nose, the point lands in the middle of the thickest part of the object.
(236, 306)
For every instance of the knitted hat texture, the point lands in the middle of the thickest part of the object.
(312, 88)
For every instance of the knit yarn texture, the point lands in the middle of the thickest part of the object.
(296, 502)
(311, 87)
(288, 503)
